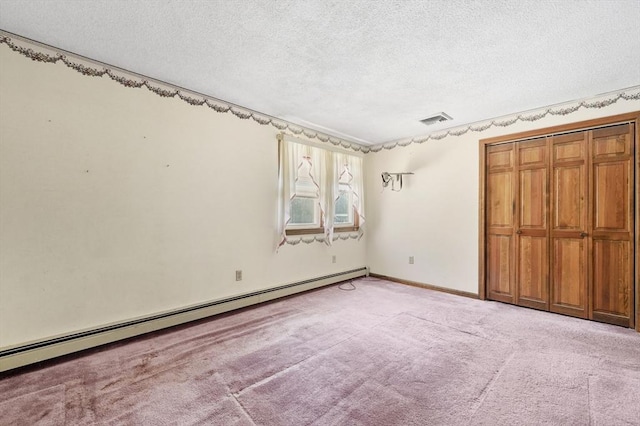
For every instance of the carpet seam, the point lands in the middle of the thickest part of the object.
(483, 394)
(286, 369)
(244, 410)
(336, 406)
(314, 355)
(447, 326)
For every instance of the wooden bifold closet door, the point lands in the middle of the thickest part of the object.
(500, 222)
(560, 223)
(611, 234)
(532, 218)
(569, 205)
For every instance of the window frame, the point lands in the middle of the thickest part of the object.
(317, 213)
(353, 226)
(303, 229)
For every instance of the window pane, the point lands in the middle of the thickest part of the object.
(343, 210)
(303, 211)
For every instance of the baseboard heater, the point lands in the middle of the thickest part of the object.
(21, 355)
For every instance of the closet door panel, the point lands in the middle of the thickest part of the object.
(612, 273)
(533, 153)
(533, 272)
(500, 199)
(500, 206)
(500, 157)
(533, 192)
(569, 272)
(569, 184)
(532, 289)
(501, 267)
(569, 225)
(612, 207)
(569, 148)
(611, 142)
(613, 228)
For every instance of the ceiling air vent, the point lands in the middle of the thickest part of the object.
(436, 118)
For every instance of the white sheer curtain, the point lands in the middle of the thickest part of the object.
(349, 169)
(328, 197)
(325, 167)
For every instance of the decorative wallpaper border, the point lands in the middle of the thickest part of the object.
(316, 239)
(129, 79)
(37, 52)
(563, 109)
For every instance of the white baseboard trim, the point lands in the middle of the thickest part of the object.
(21, 355)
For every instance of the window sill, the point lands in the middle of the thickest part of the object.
(346, 229)
(308, 231)
(318, 231)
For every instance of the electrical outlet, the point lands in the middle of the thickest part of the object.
(333, 259)
(239, 275)
(410, 260)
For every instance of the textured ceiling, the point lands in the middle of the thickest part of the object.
(363, 70)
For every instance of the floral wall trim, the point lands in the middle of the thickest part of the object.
(47, 54)
(604, 101)
(91, 68)
(321, 239)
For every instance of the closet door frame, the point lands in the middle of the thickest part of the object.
(633, 117)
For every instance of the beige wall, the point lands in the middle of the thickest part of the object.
(435, 217)
(116, 203)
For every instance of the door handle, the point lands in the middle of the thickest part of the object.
(519, 231)
(583, 234)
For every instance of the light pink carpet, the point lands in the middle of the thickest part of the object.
(384, 354)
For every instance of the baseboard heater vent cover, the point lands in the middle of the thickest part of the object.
(30, 353)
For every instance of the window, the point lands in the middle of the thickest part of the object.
(345, 216)
(343, 213)
(305, 202)
(320, 191)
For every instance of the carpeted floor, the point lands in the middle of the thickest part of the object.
(384, 354)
